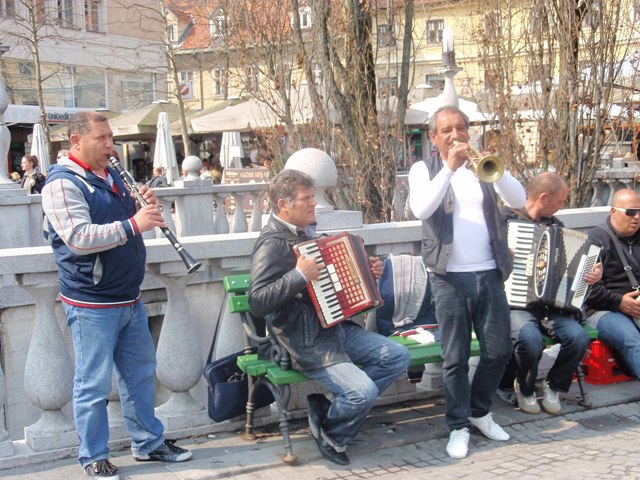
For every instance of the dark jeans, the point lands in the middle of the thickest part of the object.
(528, 328)
(464, 301)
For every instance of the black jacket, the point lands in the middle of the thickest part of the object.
(607, 293)
(278, 293)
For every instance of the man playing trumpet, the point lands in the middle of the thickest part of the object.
(465, 247)
(278, 293)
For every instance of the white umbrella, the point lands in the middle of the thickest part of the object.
(39, 147)
(165, 152)
(231, 150)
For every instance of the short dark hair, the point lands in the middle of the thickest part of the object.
(284, 186)
(446, 108)
(80, 122)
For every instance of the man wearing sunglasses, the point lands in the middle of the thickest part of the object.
(612, 303)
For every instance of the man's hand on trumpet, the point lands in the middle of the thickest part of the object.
(458, 155)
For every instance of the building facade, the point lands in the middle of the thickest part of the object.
(85, 54)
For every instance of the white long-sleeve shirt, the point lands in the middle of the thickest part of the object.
(471, 249)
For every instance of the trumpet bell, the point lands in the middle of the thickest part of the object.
(489, 168)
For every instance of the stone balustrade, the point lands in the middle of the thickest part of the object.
(183, 312)
(36, 384)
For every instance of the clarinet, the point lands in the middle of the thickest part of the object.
(191, 264)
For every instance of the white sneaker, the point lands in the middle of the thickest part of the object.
(528, 404)
(550, 399)
(458, 445)
(489, 428)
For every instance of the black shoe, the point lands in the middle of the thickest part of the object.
(167, 452)
(318, 408)
(102, 470)
(330, 453)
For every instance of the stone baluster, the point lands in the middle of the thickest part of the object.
(48, 373)
(256, 215)
(221, 223)
(179, 357)
(168, 216)
(239, 224)
(6, 445)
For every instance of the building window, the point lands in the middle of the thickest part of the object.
(8, 8)
(434, 31)
(386, 36)
(251, 79)
(593, 14)
(218, 24)
(317, 74)
(538, 23)
(93, 21)
(186, 85)
(305, 16)
(282, 78)
(492, 25)
(172, 33)
(26, 69)
(136, 90)
(64, 13)
(436, 81)
(39, 11)
(635, 11)
(218, 82)
(388, 86)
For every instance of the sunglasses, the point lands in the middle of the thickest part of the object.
(629, 212)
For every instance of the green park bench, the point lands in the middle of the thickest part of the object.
(278, 375)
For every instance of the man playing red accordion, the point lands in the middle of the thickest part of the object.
(278, 292)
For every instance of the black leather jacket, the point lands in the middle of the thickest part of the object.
(278, 293)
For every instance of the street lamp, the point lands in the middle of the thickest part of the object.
(448, 69)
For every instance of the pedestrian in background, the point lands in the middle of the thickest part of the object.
(32, 179)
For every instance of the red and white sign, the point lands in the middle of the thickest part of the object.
(185, 90)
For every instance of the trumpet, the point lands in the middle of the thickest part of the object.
(488, 168)
(191, 264)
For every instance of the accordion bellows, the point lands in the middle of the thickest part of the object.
(346, 286)
(549, 264)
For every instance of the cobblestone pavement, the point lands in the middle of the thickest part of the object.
(408, 441)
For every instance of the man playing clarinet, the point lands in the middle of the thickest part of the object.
(95, 232)
(278, 293)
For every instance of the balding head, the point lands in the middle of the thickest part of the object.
(547, 182)
(546, 194)
(622, 198)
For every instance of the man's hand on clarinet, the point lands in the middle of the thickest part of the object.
(149, 217)
(149, 196)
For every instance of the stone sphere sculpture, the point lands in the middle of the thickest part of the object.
(319, 166)
(192, 165)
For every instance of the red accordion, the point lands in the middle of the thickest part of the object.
(346, 286)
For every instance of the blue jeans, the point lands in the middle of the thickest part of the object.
(380, 362)
(104, 338)
(617, 331)
(466, 300)
(528, 328)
